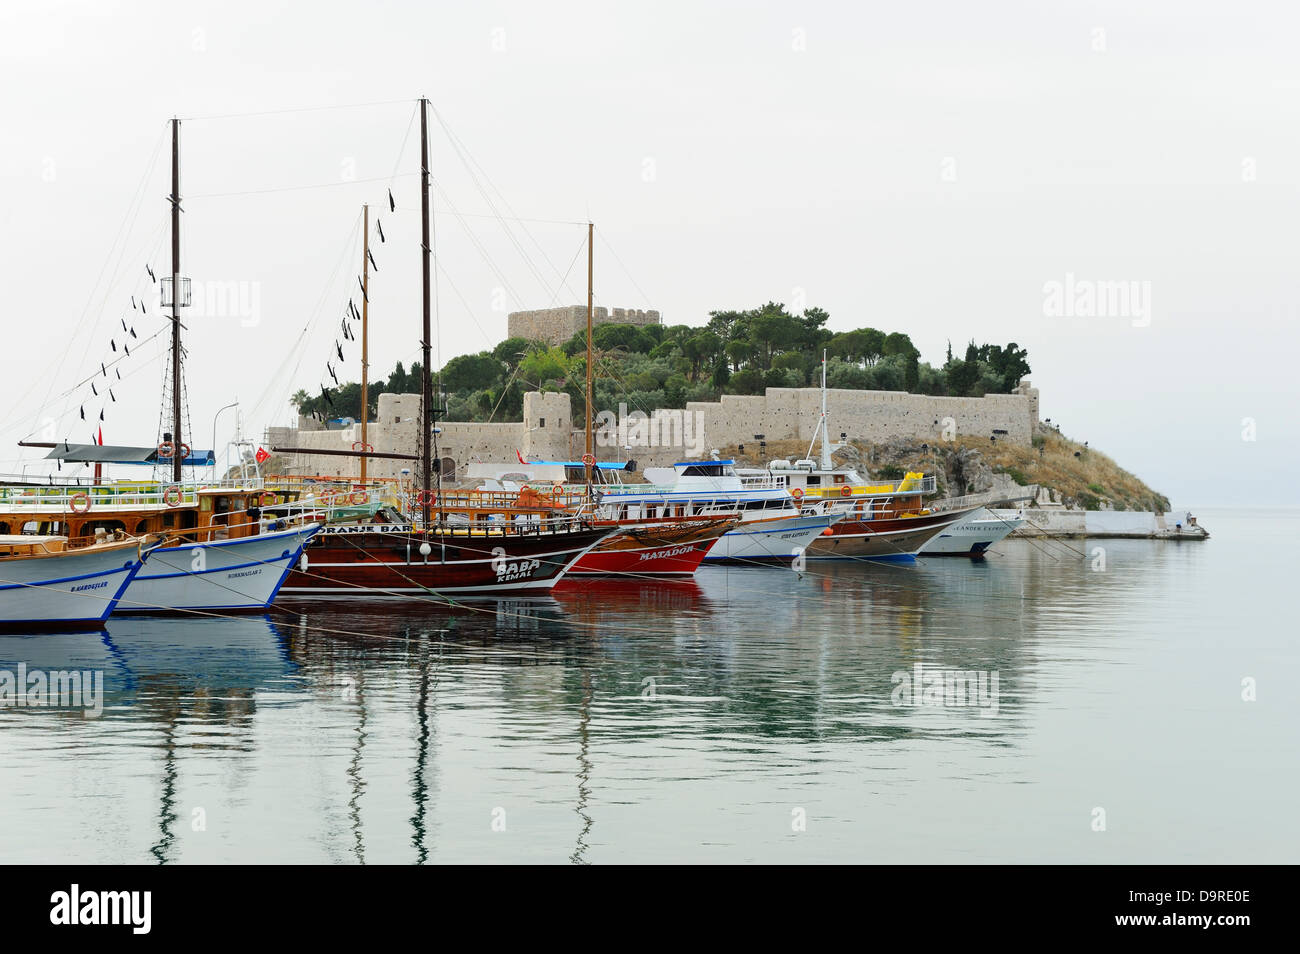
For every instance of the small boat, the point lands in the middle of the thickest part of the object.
(879, 520)
(972, 536)
(645, 546)
(772, 527)
(49, 583)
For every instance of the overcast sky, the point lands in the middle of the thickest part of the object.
(928, 168)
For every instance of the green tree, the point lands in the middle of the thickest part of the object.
(468, 372)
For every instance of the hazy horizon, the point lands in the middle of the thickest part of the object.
(931, 170)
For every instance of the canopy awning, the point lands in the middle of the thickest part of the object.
(112, 454)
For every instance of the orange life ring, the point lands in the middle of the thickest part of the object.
(172, 496)
(425, 497)
(846, 491)
(363, 446)
(589, 460)
(185, 451)
(797, 493)
(166, 449)
(358, 498)
(80, 502)
(262, 500)
(557, 490)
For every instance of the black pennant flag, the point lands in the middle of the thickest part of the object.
(124, 324)
(133, 334)
(103, 370)
(363, 288)
(330, 369)
(112, 344)
(152, 276)
(380, 225)
(339, 348)
(133, 308)
(371, 255)
(392, 206)
(83, 412)
(112, 395)
(92, 389)
(101, 415)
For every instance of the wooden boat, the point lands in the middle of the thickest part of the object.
(218, 555)
(52, 583)
(217, 552)
(445, 544)
(482, 543)
(644, 546)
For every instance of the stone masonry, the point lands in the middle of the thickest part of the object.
(557, 325)
(550, 432)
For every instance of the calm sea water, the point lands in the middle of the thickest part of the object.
(748, 716)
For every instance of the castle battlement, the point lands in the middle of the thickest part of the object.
(557, 325)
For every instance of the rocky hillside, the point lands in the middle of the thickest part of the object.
(1076, 475)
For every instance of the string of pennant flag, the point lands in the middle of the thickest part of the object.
(351, 314)
(101, 387)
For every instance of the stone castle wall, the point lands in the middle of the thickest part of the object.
(549, 430)
(557, 325)
(543, 434)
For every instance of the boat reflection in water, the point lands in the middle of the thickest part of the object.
(647, 600)
(391, 731)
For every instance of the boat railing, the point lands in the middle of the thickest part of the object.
(987, 498)
(84, 499)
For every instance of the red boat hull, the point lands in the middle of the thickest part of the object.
(653, 549)
(370, 562)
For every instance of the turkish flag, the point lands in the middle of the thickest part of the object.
(261, 456)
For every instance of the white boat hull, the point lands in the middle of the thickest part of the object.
(78, 589)
(767, 541)
(244, 574)
(971, 536)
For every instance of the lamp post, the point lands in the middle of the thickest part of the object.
(214, 431)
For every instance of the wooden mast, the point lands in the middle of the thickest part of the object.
(365, 338)
(587, 456)
(177, 457)
(426, 377)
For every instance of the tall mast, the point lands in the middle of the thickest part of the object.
(426, 377)
(587, 455)
(826, 445)
(365, 338)
(177, 457)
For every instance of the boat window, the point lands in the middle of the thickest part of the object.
(705, 470)
(814, 481)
